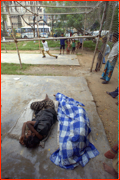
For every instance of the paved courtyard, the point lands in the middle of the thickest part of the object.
(37, 59)
(17, 161)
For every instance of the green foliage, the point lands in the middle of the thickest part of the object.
(90, 45)
(115, 24)
(28, 45)
(9, 46)
(11, 68)
(95, 26)
(66, 21)
(58, 31)
(53, 43)
(75, 21)
(110, 44)
(31, 45)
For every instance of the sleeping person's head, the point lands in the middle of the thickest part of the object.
(31, 140)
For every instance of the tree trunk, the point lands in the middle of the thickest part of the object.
(103, 19)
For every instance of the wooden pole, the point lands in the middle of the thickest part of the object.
(52, 26)
(14, 35)
(47, 14)
(103, 17)
(84, 26)
(50, 38)
(34, 17)
(109, 28)
(96, 6)
(89, 7)
(38, 33)
(5, 48)
(111, 21)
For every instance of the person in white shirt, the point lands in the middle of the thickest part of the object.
(46, 48)
(112, 59)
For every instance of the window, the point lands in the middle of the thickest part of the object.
(40, 9)
(40, 17)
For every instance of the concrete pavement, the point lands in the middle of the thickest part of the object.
(37, 59)
(18, 162)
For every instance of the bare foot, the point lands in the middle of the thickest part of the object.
(53, 94)
(46, 98)
(110, 170)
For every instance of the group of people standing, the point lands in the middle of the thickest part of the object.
(106, 76)
(112, 58)
(70, 43)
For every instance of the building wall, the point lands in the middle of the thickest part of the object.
(28, 17)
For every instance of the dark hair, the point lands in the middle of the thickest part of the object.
(43, 40)
(104, 39)
(31, 141)
(116, 35)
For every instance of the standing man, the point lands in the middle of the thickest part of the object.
(112, 59)
(62, 44)
(46, 48)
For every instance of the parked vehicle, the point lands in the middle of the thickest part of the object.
(27, 32)
(44, 35)
(67, 35)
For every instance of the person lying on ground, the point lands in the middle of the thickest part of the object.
(45, 117)
(112, 59)
(46, 48)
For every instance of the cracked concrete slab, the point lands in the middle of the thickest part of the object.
(37, 59)
(22, 163)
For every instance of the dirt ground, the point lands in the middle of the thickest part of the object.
(105, 104)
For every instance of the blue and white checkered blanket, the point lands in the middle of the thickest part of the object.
(74, 145)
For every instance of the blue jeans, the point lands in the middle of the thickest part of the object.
(114, 93)
(104, 58)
